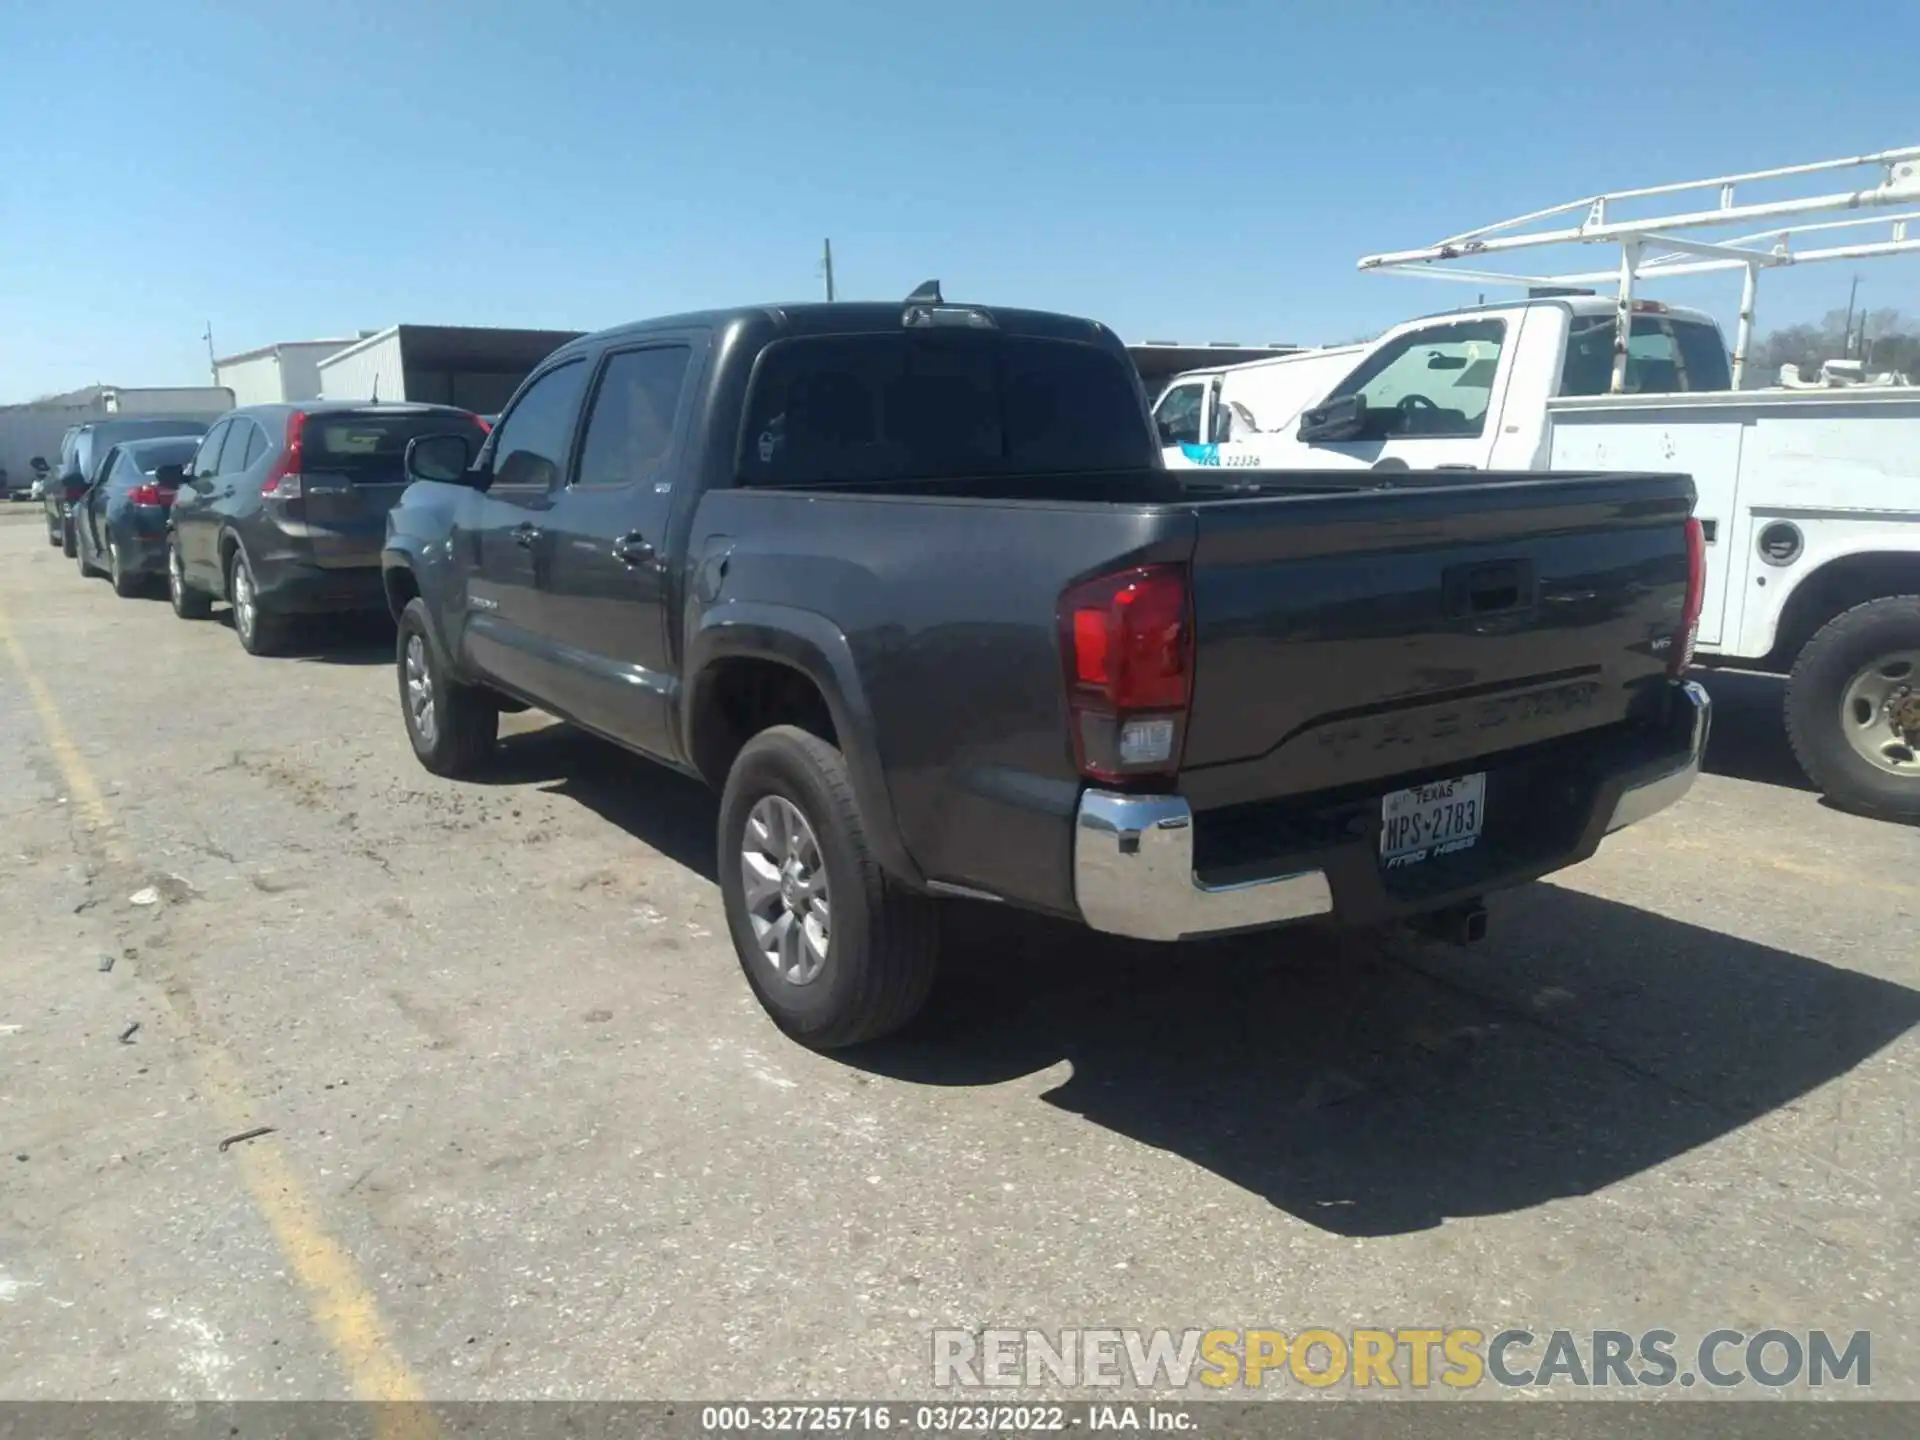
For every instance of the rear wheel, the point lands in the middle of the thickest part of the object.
(261, 631)
(188, 603)
(452, 726)
(835, 949)
(126, 583)
(69, 543)
(1853, 708)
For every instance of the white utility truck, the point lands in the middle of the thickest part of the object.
(1809, 498)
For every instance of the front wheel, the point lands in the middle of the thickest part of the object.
(452, 726)
(188, 603)
(837, 952)
(79, 552)
(1853, 708)
(69, 542)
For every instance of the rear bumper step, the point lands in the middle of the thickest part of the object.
(1134, 872)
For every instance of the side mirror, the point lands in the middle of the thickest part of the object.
(39, 465)
(1344, 418)
(444, 459)
(175, 475)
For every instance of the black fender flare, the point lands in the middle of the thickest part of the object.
(808, 642)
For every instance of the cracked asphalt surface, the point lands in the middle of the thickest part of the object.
(531, 1138)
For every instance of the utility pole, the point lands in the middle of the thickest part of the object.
(213, 365)
(1847, 334)
(826, 265)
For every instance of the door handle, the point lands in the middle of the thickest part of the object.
(632, 550)
(524, 535)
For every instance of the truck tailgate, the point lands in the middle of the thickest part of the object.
(1347, 639)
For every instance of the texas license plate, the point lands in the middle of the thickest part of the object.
(1425, 821)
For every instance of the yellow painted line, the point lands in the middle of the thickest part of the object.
(342, 1304)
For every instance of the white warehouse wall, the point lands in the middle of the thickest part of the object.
(254, 380)
(353, 373)
(300, 367)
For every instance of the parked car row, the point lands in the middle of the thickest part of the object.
(278, 510)
(914, 589)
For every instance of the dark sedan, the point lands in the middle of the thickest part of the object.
(284, 511)
(83, 452)
(120, 521)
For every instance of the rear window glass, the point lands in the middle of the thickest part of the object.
(1664, 357)
(372, 449)
(155, 453)
(922, 405)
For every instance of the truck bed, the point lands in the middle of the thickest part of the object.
(1352, 632)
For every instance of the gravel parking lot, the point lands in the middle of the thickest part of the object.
(531, 1137)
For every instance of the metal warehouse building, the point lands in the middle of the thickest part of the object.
(474, 367)
(289, 370)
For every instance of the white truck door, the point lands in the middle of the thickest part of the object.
(1430, 395)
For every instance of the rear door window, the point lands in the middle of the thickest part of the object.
(206, 460)
(371, 448)
(924, 405)
(631, 429)
(233, 456)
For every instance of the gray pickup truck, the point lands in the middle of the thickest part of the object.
(909, 585)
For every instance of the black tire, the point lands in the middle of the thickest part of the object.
(883, 943)
(188, 603)
(268, 632)
(53, 533)
(466, 722)
(1816, 693)
(126, 583)
(69, 544)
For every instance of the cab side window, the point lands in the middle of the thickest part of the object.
(1436, 381)
(1178, 415)
(530, 447)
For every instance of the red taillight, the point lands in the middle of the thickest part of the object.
(1127, 643)
(1683, 639)
(150, 494)
(481, 421)
(283, 480)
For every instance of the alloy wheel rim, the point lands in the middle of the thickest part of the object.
(176, 582)
(1880, 713)
(785, 884)
(243, 599)
(419, 683)
(113, 560)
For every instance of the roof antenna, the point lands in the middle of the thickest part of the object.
(927, 294)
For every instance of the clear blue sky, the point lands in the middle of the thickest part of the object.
(1181, 171)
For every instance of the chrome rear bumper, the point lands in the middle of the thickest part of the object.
(1133, 875)
(1133, 854)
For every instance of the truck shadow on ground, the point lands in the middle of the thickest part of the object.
(1373, 1085)
(1749, 740)
(1367, 1084)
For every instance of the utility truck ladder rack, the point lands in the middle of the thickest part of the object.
(1650, 251)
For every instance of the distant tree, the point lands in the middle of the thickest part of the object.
(1885, 339)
